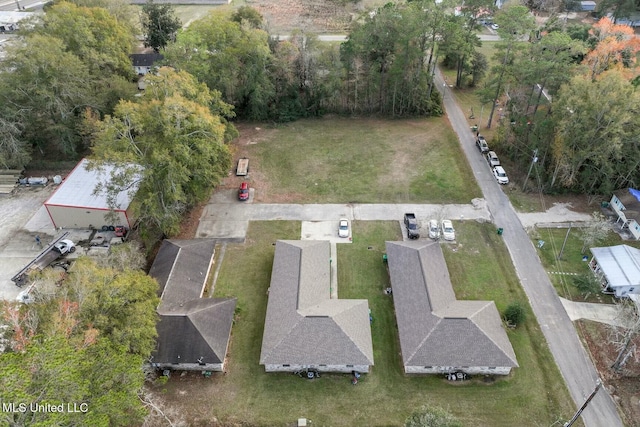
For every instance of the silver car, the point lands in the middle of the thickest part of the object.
(493, 159)
(434, 230)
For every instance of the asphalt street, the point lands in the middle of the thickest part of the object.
(575, 366)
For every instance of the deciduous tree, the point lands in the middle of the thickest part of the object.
(174, 139)
(160, 24)
(616, 47)
(87, 349)
(595, 149)
(623, 335)
(230, 58)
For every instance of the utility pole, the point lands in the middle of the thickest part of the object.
(565, 241)
(584, 405)
(533, 160)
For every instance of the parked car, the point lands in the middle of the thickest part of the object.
(492, 158)
(482, 145)
(501, 175)
(343, 227)
(65, 246)
(494, 26)
(448, 232)
(434, 230)
(243, 192)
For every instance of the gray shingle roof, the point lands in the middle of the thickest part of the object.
(436, 329)
(145, 59)
(185, 264)
(303, 325)
(196, 331)
(191, 328)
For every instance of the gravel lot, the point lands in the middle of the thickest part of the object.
(18, 245)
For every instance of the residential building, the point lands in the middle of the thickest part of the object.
(306, 329)
(438, 333)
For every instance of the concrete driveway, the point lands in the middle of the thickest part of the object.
(227, 219)
(603, 313)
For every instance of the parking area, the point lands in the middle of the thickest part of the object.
(323, 230)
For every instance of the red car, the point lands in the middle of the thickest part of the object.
(243, 192)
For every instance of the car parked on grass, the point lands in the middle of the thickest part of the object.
(448, 232)
(482, 145)
(434, 230)
(501, 175)
(343, 227)
(243, 192)
(493, 159)
(494, 26)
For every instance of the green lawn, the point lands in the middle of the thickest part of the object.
(533, 396)
(342, 160)
(571, 261)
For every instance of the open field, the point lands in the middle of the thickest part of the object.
(534, 395)
(343, 160)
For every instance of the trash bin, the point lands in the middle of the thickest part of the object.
(499, 231)
(384, 257)
(474, 128)
(604, 204)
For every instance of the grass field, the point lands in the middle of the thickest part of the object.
(571, 261)
(341, 160)
(533, 396)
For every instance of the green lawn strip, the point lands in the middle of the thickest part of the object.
(534, 395)
(571, 261)
(481, 269)
(339, 160)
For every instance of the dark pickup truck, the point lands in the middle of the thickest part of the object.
(413, 231)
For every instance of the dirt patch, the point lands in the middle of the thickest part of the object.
(189, 225)
(624, 387)
(307, 15)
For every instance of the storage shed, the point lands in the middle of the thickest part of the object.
(617, 268)
(76, 205)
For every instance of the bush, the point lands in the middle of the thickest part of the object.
(431, 417)
(515, 314)
(587, 284)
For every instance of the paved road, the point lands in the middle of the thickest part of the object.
(574, 363)
(343, 37)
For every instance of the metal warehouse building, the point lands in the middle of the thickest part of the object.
(74, 204)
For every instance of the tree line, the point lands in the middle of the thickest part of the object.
(66, 89)
(570, 102)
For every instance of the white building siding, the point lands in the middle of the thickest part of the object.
(320, 368)
(470, 370)
(79, 217)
